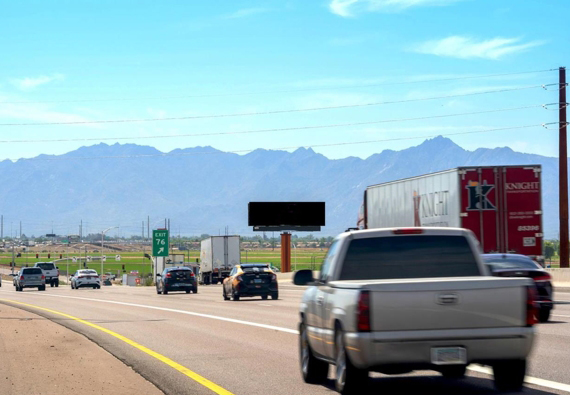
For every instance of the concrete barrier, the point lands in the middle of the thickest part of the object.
(560, 275)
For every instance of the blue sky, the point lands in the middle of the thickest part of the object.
(66, 61)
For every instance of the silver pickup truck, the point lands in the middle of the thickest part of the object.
(398, 300)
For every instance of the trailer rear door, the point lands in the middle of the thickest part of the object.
(479, 205)
(522, 210)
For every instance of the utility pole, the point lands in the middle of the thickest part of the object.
(20, 230)
(81, 230)
(148, 227)
(2, 227)
(563, 171)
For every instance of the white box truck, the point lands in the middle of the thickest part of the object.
(218, 256)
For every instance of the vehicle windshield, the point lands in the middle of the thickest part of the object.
(409, 257)
(499, 263)
(46, 266)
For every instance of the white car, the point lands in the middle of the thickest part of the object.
(85, 278)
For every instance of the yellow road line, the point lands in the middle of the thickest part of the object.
(182, 369)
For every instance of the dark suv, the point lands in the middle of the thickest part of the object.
(176, 279)
(30, 277)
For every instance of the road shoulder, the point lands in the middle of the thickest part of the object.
(38, 356)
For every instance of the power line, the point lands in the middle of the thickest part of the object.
(276, 111)
(284, 148)
(281, 91)
(276, 129)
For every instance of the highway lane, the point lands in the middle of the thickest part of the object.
(242, 358)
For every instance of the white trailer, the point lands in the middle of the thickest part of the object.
(218, 256)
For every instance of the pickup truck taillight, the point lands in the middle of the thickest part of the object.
(363, 312)
(531, 307)
(43, 277)
(21, 277)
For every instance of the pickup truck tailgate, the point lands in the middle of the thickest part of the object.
(446, 303)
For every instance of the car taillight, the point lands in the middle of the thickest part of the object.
(545, 277)
(192, 274)
(408, 231)
(168, 275)
(58, 272)
(273, 278)
(363, 312)
(531, 306)
(43, 277)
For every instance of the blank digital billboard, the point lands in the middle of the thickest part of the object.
(294, 214)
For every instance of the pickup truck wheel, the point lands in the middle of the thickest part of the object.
(226, 297)
(543, 315)
(51, 284)
(454, 372)
(314, 370)
(275, 296)
(195, 290)
(509, 375)
(157, 291)
(235, 295)
(349, 379)
(56, 283)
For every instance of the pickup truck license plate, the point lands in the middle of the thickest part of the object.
(449, 356)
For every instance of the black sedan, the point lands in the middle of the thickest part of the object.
(176, 279)
(514, 265)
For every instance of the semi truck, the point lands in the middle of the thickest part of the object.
(218, 256)
(501, 205)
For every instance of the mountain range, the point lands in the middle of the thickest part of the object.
(203, 190)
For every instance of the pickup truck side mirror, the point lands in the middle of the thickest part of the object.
(159, 275)
(303, 277)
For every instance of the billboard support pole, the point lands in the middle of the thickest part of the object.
(285, 252)
(563, 172)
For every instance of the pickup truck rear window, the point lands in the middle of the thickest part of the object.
(46, 266)
(409, 257)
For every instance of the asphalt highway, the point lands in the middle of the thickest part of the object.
(201, 344)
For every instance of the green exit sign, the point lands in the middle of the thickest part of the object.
(160, 242)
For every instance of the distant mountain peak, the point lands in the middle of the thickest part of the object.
(439, 141)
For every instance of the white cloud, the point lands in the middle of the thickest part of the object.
(245, 12)
(464, 47)
(348, 8)
(29, 83)
(35, 113)
(342, 7)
